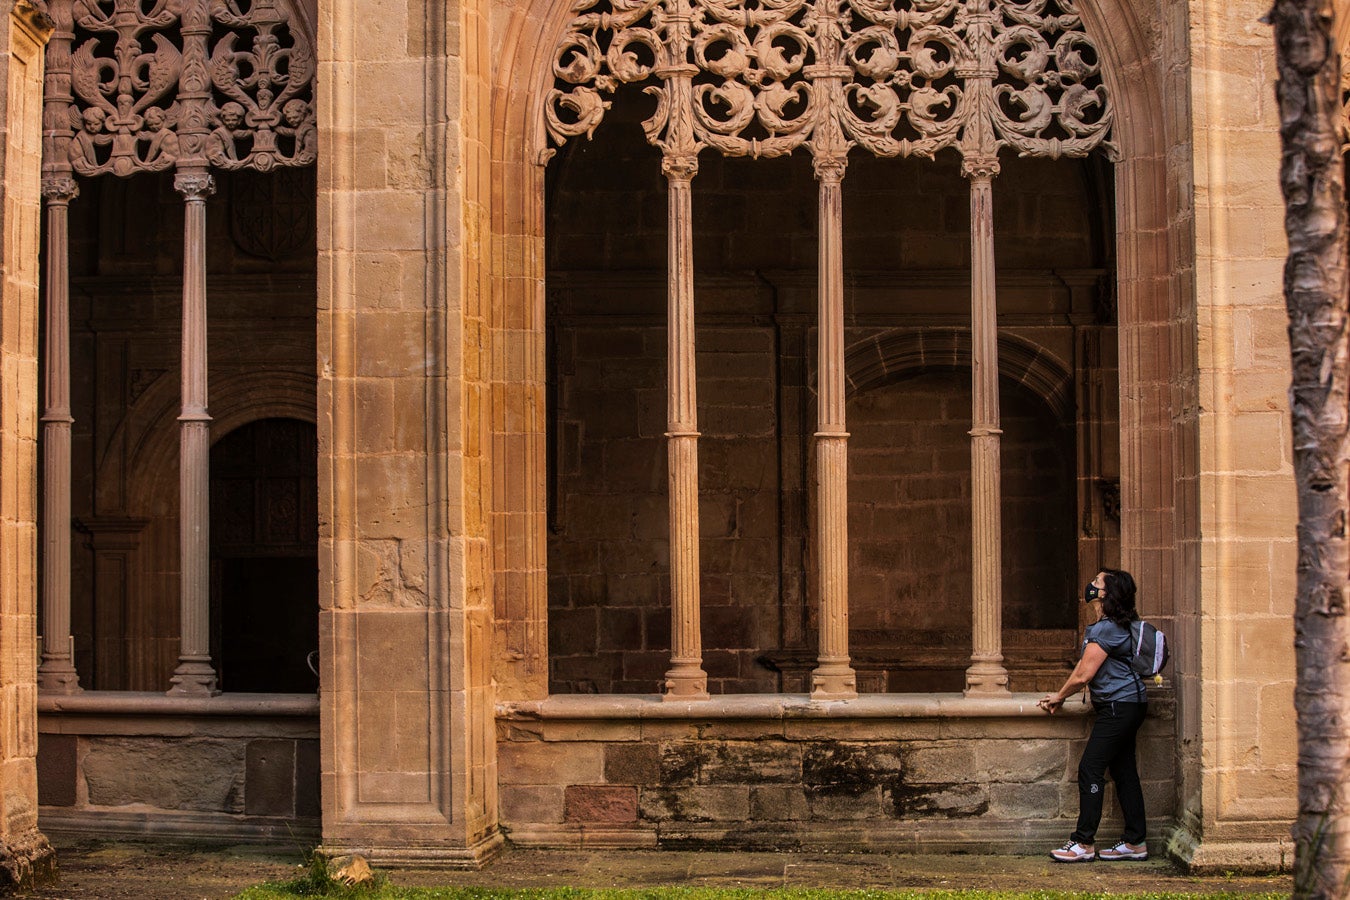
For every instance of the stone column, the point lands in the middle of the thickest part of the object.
(686, 679)
(195, 674)
(833, 678)
(25, 855)
(56, 672)
(986, 674)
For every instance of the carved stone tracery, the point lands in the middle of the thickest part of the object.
(144, 87)
(896, 77)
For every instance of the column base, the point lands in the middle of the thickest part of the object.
(27, 860)
(475, 856)
(834, 681)
(1261, 854)
(686, 681)
(58, 678)
(195, 679)
(985, 678)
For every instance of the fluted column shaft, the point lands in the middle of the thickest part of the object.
(686, 679)
(986, 673)
(833, 677)
(56, 672)
(195, 674)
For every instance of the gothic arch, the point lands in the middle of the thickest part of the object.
(236, 400)
(1151, 313)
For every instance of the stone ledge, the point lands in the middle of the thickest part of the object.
(147, 703)
(783, 707)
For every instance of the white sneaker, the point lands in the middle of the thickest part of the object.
(1125, 851)
(1073, 852)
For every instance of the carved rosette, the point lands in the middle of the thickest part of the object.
(152, 85)
(897, 77)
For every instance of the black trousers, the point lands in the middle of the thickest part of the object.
(1111, 746)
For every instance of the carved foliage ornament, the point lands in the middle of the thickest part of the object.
(896, 77)
(149, 85)
(1345, 104)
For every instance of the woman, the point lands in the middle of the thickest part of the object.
(1120, 699)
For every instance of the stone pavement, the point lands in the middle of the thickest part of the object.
(121, 871)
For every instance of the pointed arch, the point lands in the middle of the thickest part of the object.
(1156, 323)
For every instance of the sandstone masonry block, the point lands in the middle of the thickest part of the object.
(779, 803)
(748, 762)
(851, 764)
(552, 763)
(632, 764)
(953, 801)
(835, 804)
(609, 804)
(937, 762)
(542, 804)
(1029, 760)
(1024, 801)
(695, 804)
(200, 775)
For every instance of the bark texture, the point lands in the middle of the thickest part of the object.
(1315, 287)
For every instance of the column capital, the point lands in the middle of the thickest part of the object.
(194, 185)
(830, 167)
(59, 188)
(981, 167)
(680, 167)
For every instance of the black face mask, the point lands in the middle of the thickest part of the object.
(1091, 592)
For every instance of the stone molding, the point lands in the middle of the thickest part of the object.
(143, 703)
(780, 706)
(177, 825)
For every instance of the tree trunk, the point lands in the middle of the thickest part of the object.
(1312, 176)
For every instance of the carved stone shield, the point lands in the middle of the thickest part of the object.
(272, 214)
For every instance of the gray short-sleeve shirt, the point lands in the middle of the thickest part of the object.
(1115, 681)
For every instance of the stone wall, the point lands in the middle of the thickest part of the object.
(212, 771)
(781, 776)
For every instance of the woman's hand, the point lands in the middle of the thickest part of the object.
(1093, 657)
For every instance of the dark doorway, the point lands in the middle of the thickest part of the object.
(264, 557)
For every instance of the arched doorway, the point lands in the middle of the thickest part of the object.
(264, 557)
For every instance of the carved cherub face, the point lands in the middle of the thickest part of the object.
(231, 114)
(93, 120)
(294, 112)
(154, 118)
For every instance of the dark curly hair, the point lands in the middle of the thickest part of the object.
(1118, 598)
